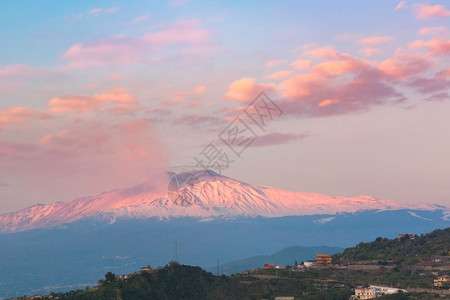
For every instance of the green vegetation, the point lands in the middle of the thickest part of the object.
(405, 250)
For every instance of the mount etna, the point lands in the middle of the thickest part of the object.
(70, 244)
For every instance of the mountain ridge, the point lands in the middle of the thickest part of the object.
(201, 194)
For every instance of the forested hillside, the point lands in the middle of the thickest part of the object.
(406, 249)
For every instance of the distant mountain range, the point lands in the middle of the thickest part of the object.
(201, 194)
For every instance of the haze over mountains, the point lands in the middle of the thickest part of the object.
(201, 194)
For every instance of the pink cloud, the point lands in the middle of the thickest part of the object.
(375, 40)
(339, 67)
(13, 150)
(301, 64)
(440, 82)
(424, 11)
(346, 84)
(245, 89)
(95, 11)
(118, 50)
(303, 85)
(365, 90)
(432, 30)
(180, 96)
(18, 115)
(280, 74)
(274, 62)
(86, 157)
(118, 98)
(327, 102)
(404, 65)
(437, 46)
(369, 51)
(323, 53)
(400, 5)
(123, 50)
(20, 72)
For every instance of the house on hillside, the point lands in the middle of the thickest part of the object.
(404, 235)
(268, 266)
(385, 290)
(120, 277)
(363, 293)
(146, 269)
(323, 260)
(442, 280)
(309, 264)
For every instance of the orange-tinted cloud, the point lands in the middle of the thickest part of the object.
(342, 83)
(424, 11)
(246, 89)
(327, 102)
(275, 62)
(280, 74)
(18, 115)
(404, 65)
(432, 30)
(323, 53)
(375, 40)
(117, 98)
(303, 85)
(179, 96)
(339, 67)
(437, 46)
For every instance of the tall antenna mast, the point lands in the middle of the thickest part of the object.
(218, 267)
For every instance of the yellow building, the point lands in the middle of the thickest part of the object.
(441, 280)
(323, 259)
(364, 293)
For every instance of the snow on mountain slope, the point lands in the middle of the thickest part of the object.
(202, 194)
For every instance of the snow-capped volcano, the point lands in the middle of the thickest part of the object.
(201, 194)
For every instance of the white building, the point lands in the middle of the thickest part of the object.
(309, 264)
(380, 290)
